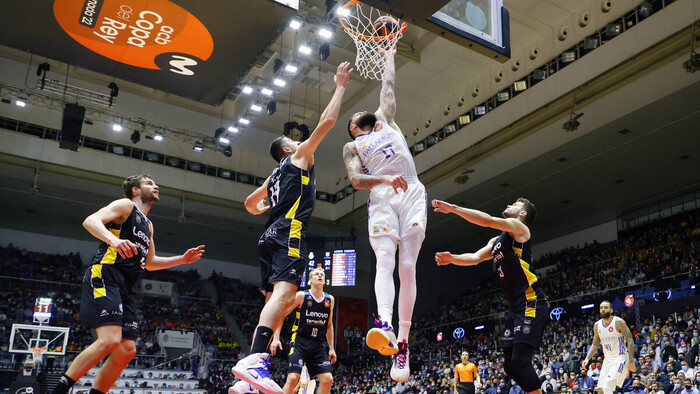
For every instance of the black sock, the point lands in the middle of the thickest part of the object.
(64, 384)
(95, 391)
(263, 337)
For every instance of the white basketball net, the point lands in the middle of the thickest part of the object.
(37, 353)
(358, 21)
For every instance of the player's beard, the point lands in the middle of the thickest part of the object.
(368, 119)
(150, 198)
(605, 315)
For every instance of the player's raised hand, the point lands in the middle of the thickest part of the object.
(274, 345)
(125, 248)
(332, 356)
(443, 258)
(442, 206)
(342, 75)
(193, 254)
(395, 181)
(631, 365)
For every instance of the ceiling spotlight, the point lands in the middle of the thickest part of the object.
(279, 82)
(135, 137)
(271, 107)
(464, 120)
(503, 96)
(645, 9)
(243, 121)
(295, 24)
(20, 102)
(117, 127)
(540, 74)
(198, 147)
(324, 51)
(519, 86)
(266, 91)
(247, 90)
(325, 33)
(233, 129)
(290, 68)
(568, 57)
(255, 108)
(480, 110)
(342, 11)
(227, 151)
(305, 49)
(573, 123)
(113, 92)
(590, 43)
(158, 137)
(613, 29)
(224, 140)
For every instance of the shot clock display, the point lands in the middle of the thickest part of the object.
(42, 310)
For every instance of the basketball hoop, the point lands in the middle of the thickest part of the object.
(37, 353)
(359, 22)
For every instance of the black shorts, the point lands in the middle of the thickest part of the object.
(465, 388)
(282, 257)
(313, 352)
(106, 300)
(526, 320)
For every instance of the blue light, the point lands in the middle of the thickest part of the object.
(479, 327)
(587, 306)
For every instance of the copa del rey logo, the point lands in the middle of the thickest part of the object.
(136, 32)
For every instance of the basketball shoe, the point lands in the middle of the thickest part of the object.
(400, 368)
(253, 370)
(382, 338)
(242, 387)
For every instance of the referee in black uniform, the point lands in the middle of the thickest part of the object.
(512, 260)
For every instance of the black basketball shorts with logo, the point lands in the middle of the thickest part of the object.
(526, 320)
(313, 352)
(282, 254)
(106, 300)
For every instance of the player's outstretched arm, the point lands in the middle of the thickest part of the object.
(360, 180)
(387, 97)
(329, 115)
(117, 210)
(466, 259)
(329, 335)
(516, 228)
(255, 202)
(155, 263)
(621, 326)
(592, 350)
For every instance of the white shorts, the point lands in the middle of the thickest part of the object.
(397, 214)
(613, 373)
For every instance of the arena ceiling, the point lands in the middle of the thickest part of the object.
(604, 174)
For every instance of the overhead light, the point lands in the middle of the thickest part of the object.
(227, 151)
(224, 140)
(151, 156)
(113, 92)
(266, 91)
(198, 147)
(613, 29)
(233, 129)
(21, 102)
(119, 150)
(247, 90)
(243, 121)
(587, 306)
(568, 57)
(279, 82)
(539, 75)
(290, 68)
(464, 120)
(645, 9)
(305, 49)
(342, 11)
(158, 137)
(479, 327)
(503, 96)
(295, 24)
(255, 108)
(325, 33)
(117, 127)
(419, 147)
(520, 86)
(480, 110)
(450, 128)
(135, 137)
(590, 43)
(271, 107)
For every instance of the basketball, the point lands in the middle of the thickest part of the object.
(384, 26)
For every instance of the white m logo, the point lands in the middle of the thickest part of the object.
(179, 65)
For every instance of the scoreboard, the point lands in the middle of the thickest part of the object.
(344, 267)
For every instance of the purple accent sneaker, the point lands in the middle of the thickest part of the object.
(253, 370)
(382, 338)
(400, 368)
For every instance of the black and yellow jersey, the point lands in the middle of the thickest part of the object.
(136, 229)
(312, 317)
(512, 261)
(292, 194)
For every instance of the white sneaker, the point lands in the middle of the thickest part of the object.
(242, 387)
(382, 338)
(400, 368)
(253, 370)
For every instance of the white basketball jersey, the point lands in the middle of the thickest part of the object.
(612, 341)
(384, 151)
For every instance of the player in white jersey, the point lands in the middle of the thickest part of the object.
(618, 349)
(378, 158)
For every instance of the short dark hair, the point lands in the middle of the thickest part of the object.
(352, 137)
(132, 182)
(277, 148)
(607, 302)
(529, 207)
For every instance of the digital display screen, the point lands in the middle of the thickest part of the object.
(42, 308)
(344, 267)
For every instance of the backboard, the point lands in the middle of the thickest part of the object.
(26, 336)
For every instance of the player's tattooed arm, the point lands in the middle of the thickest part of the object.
(593, 349)
(360, 180)
(387, 98)
(621, 326)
